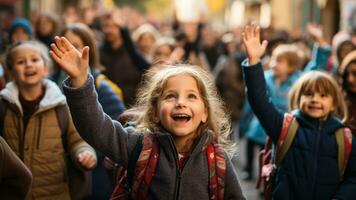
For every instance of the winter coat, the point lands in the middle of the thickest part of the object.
(169, 181)
(15, 177)
(40, 146)
(309, 170)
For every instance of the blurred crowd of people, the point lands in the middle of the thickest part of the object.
(121, 51)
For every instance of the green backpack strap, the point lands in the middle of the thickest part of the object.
(344, 142)
(289, 130)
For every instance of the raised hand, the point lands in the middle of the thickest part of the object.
(72, 61)
(251, 39)
(316, 32)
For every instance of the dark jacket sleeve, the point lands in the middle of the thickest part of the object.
(97, 128)
(347, 188)
(15, 177)
(137, 58)
(269, 116)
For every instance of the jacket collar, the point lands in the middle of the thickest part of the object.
(329, 125)
(52, 98)
(166, 140)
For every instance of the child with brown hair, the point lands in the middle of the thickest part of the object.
(309, 169)
(182, 115)
(31, 126)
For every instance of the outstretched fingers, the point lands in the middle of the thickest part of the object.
(66, 44)
(56, 51)
(264, 45)
(59, 44)
(85, 53)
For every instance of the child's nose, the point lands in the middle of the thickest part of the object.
(315, 97)
(180, 102)
(28, 62)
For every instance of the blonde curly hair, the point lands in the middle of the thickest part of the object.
(153, 85)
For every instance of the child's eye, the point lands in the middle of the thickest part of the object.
(192, 96)
(169, 96)
(19, 62)
(35, 59)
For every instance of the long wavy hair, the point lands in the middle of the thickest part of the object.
(321, 82)
(151, 90)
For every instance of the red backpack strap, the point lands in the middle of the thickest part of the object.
(217, 171)
(344, 141)
(145, 167)
(142, 175)
(289, 129)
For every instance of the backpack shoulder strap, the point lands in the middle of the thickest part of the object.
(133, 160)
(124, 177)
(2, 115)
(289, 130)
(145, 167)
(62, 114)
(344, 141)
(217, 170)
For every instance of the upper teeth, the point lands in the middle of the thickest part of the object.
(181, 115)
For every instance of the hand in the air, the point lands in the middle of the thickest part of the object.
(251, 39)
(72, 61)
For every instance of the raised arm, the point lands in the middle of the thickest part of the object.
(321, 49)
(93, 125)
(270, 118)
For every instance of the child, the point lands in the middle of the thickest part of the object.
(181, 112)
(20, 30)
(31, 127)
(347, 73)
(15, 178)
(310, 167)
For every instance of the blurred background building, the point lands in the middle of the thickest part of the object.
(290, 15)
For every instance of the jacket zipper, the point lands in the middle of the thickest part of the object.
(315, 167)
(39, 132)
(179, 173)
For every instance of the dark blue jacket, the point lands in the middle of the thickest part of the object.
(310, 168)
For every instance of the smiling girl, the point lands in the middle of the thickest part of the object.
(181, 111)
(309, 169)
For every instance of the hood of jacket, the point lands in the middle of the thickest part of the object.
(52, 98)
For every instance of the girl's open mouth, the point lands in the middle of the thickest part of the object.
(181, 117)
